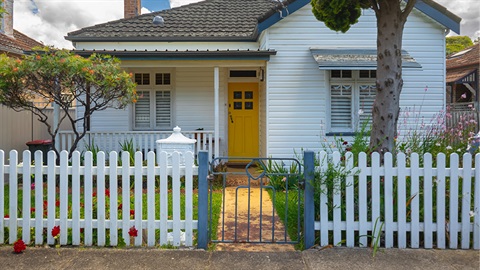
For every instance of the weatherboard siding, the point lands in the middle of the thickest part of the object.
(298, 96)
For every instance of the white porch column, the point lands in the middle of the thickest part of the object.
(216, 83)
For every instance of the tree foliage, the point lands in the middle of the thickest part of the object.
(2, 10)
(94, 83)
(457, 44)
(338, 15)
(391, 15)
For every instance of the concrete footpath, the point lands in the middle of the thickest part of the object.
(146, 258)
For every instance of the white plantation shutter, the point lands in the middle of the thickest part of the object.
(142, 110)
(341, 106)
(163, 113)
(367, 97)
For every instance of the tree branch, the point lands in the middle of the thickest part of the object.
(408, 8)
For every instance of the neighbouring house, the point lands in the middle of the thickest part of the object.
(463, 83)
(260, 77)
(13, 42)
(17, 127)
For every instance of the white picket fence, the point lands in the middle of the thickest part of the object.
(417, 194)
(76, 211)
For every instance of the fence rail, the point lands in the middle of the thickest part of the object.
(406, 202)
(92, 199)
(143, 141)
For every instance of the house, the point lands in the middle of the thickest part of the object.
(13, 42)
(462, 76)
(260, 77)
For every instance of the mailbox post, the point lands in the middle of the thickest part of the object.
(176, 142)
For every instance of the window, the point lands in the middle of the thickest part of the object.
(352, 93)
(153, 109)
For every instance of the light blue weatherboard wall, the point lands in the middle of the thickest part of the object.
(298, 100)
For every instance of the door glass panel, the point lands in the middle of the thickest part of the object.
(248, 105)
(248, 95)
(237, 105)
(237, 95)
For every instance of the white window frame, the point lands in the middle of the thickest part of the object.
(356, 82)
(152, 89)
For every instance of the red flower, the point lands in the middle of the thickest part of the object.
(120, 206)
(57, 203)
(133, 232)
(55, 231)
(132, 212)
(32, 210)
(6, 216)
(45, 204)
(94, 194)
(19, 246)
(345, 143)
(107, 192)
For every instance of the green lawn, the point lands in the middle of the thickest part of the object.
(216, 202)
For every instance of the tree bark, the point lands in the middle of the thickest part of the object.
(386, 108)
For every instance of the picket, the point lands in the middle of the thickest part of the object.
(76, 199)
(362, 199)
(26, 197)
(138, 204)
(441, 172)
(51, 199)
(13, 187)
(88, 189)
(350, 200)
(125, 196)
(39, 205)
(323, 202)
(100, 198)
(163, 199)
(63, 196)
(402, 201)
(176, 198)
(389, 199)
(427, 201)
(189, 200)
(337, 204)
(466, 200)
(113, 186)
(415, 201)
(151, 199)
(453, 209)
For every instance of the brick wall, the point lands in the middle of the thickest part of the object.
(131, 8)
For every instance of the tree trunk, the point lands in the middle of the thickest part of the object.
(386, 108)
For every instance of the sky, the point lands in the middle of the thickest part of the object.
(48, 21)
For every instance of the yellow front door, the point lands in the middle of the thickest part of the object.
(243, 119)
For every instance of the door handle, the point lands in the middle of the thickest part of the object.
(231, 118)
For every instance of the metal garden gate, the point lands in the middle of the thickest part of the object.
(261, 200)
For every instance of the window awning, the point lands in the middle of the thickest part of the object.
(355, 59)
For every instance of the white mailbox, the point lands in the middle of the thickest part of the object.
(176, 142)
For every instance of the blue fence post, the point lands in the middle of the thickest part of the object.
(202, 231)
(308, 203)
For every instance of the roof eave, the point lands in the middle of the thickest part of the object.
(160, 39)
(183, 55)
